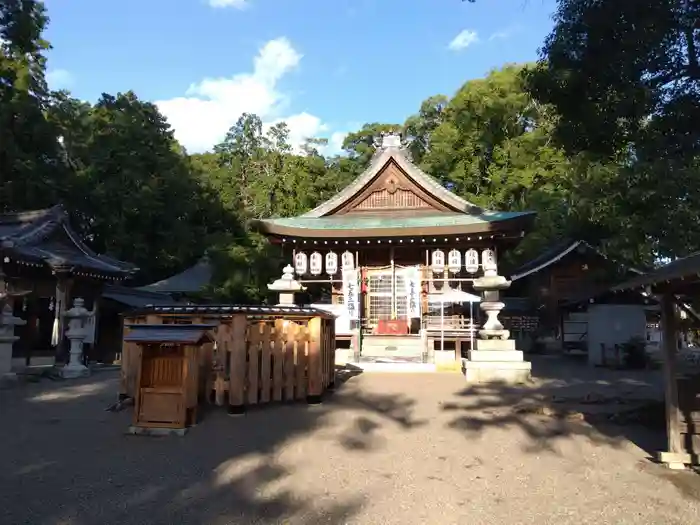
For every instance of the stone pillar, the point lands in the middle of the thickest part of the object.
(7, 335)
(495, 358)
(76, 334)
(287, 286)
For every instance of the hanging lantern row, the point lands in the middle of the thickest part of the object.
(454, 261)
(314, 264)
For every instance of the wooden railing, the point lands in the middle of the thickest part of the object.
(261, 355)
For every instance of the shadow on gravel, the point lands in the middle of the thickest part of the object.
(67, 460)
(567, 399)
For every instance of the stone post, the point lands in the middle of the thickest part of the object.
(495, 358)
(287, 286)
(7, 338)
(76, 334)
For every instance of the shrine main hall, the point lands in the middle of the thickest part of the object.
(409, 268)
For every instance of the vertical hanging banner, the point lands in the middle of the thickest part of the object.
(351, 293)
(412, 281)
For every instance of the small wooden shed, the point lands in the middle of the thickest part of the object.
(168, 381)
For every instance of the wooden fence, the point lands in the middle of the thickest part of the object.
(260, 356)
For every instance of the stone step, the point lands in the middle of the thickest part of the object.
(387, 340)
(387, 346)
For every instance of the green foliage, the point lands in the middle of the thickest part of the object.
(624, 79)
(32, 172)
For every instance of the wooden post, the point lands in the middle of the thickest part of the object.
(131, 356)
(315, 377)
(675, 458)
(239, 351)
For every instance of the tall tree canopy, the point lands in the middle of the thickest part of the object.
(624, 80)
(32, 173)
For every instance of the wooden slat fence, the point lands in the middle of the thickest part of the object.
(257, 360)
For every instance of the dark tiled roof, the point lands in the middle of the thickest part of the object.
(174, 333)
(687, 267)
(135, 298)
(45, 237)
(193, 279)
(229, 309)
(554, 254)
(551, 255)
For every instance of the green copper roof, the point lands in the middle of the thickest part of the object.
(353, 222)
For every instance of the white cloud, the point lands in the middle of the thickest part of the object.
(463, 40)
(335, 143)
(59, 79)
(236, 4)
(202, 117)
(498, 35)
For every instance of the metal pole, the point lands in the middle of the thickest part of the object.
(471, 325)
(442, 324)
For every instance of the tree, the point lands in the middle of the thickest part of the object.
(31, 163)
(419, 127)
(611, 67)
(360, 145)
(625, 81)
(137, 196)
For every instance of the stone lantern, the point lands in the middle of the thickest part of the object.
(494, 357)
(76, 334)
(7, 331)
(286, 286)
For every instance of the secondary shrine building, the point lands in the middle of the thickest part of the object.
(388, 248)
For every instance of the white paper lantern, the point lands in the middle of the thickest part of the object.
(488, 260)
(316, 263)
(471, 261)
(331, 263)
(454, 261)
(301, 263)
(348, 261)
(438, 261)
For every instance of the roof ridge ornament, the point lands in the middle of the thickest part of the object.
(392, 139)
(388, 139)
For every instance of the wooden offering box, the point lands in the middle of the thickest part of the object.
(168, 377)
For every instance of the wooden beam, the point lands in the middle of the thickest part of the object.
(669, 330)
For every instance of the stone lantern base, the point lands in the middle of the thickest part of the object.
(495, 358)
(496, 361)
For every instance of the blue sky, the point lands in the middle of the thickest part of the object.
(325, 66)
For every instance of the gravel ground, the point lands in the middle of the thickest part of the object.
(385, 448)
